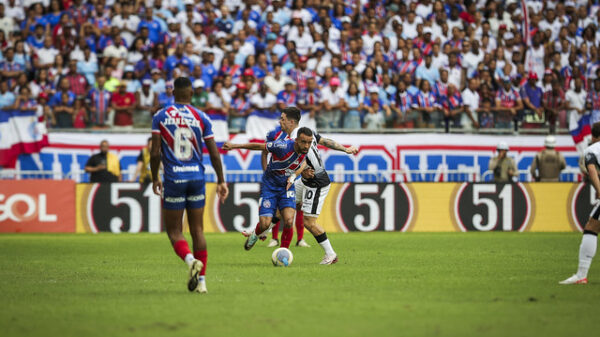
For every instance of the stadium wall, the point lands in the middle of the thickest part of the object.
(63, 206)
(425, 156)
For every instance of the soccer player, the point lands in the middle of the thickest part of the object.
(312, 189)
(177, 133)
(277, 187)
(272, 136)
(589, 242)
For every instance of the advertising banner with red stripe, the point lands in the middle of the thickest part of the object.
(422, 157)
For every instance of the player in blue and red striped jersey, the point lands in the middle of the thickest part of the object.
(277, 187)
(177, 134)
(272, 136)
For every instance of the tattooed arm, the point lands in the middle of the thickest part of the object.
(330, 143)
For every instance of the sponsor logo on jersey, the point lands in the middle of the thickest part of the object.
(195, 168)
(266, 204)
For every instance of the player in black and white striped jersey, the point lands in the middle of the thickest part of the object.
(312, 189)
(589, 241)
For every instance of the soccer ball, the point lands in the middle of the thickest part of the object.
(282, 257)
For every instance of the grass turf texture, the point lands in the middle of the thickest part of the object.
(415, 284)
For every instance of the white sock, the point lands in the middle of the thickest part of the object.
(201, 278)
(189, 259)
(326, 245)
(587, 250)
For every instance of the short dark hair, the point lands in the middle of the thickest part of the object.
(308, 132)
(595, 130)
(182, 83)
(291, 112)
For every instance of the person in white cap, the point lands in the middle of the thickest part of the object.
(146, 100)
(589, 241)
(504, 167)
(548, 163)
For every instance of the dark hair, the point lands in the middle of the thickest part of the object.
(307, 132)
(182, 83)
(293, 113)
(595, 130)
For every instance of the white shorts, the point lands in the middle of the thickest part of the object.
(311, 198)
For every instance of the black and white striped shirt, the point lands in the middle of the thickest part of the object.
(314, 161)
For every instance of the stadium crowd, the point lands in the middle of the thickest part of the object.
(347, 64)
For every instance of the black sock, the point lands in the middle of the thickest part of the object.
(321, 238)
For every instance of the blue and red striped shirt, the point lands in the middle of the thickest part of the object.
(182, 128)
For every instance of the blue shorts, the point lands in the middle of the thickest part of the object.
(183, 194)
(272, 199)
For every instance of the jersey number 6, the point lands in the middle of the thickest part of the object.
(182, 144)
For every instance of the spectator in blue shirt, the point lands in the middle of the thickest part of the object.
(166, 98)
(9, 68)
(53, 16)
(375, 104)
(154, 28)
(427, 72)
(531, 95)
(64, 87)
(7, 98)
(225, 22)
(88, 67)
(158, 84)
(177, 59)
(208, 69)
(38, 18)
(36, 40)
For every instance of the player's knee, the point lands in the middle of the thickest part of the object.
(288, 223)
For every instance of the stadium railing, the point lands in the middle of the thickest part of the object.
(494, 131)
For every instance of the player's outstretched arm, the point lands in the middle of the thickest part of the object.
(215, 159)
(157, 186)
(332, 144)
(248, 146)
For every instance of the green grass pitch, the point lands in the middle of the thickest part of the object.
(386, 284)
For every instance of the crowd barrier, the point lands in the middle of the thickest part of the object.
(63, 206)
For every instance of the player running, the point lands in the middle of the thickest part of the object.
(288, 234)
(589, 242)
(277, 187)
(177, 133)
(312, 189)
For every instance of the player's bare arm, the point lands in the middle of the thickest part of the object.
(157, 186)
(332, 144)
(264, 159)
(298, 172)
(248, 146)
(215, 159)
